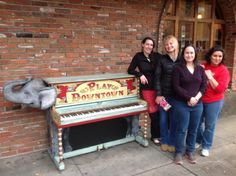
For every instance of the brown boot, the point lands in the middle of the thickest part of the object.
(171, 149)
(164, 147)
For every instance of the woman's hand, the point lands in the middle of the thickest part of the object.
(143, 80)
(203, 66)
(159, 99)
(193, 101)
(209, 74)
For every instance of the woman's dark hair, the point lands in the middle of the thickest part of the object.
(148, 38)
(211, 51)
(182, 60)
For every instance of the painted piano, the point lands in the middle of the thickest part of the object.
(94, 112)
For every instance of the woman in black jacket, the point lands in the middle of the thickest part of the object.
(163, 86)
(143, 66)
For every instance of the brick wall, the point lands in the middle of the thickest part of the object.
(229, 11)
(47, 38)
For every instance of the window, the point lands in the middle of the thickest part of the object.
(194, 21)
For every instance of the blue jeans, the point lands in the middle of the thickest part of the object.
(188, 118)
(167, 124)
(211, 112)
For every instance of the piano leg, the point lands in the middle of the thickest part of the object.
(142, 141)
(141, 138)
(57, 155)
(55, 144)
(59, 164)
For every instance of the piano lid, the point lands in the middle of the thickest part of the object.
(93, 88)
(69, 79)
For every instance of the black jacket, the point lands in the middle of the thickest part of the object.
(163, 75)
(141, 66)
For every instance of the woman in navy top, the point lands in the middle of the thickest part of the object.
(189, 84)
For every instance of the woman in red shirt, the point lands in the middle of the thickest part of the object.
(213, 99)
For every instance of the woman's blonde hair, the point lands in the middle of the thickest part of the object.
(175, 41)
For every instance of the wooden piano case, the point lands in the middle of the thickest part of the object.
(94, 112)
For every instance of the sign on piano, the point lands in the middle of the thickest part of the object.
(94, 112)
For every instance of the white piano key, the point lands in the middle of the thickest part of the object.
(101, 113)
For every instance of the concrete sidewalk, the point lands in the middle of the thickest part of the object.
(131, 159)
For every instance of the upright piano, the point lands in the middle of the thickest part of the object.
(94, 112)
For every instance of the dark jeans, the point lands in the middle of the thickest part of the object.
(188, 119)
(167, 124)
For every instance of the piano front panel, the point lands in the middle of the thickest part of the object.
(91, 134)
(95, 91)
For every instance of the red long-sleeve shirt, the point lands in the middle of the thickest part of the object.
(221, 75)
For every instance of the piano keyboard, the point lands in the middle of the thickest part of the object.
(101, 114)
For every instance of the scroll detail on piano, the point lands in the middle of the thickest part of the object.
(94, 112)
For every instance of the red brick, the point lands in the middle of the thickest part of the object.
(25, 150)
(8, 153)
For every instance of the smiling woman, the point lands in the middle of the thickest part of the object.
(163, 86)
(213, 100)
(189, 83)
(216, 58)
(190, 58)
(143, 65)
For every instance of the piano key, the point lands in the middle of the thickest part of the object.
(101, 113)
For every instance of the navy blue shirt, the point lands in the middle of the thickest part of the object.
(187, 84)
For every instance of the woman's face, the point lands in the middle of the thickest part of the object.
(147, 46)
(189, 54)
(170, 46)
(216, 58)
